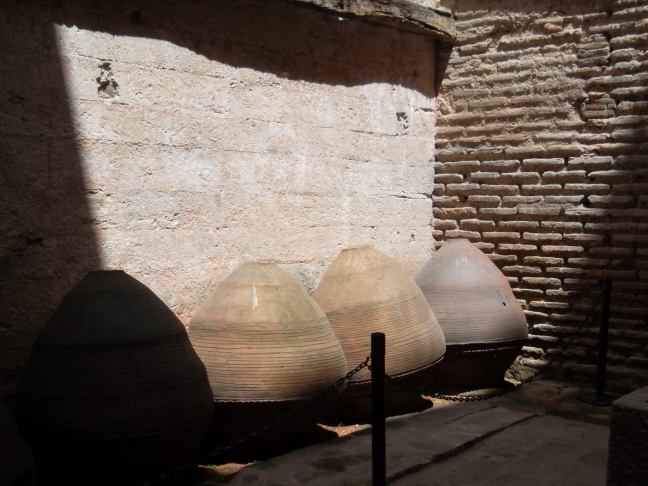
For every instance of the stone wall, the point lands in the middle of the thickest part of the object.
(542, 162)
(177, 140)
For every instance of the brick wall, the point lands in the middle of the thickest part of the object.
(542, 161)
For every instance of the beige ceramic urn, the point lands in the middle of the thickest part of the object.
(365, 291)
(484, 325)
(267, 348)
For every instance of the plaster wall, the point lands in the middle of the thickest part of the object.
(175, 141)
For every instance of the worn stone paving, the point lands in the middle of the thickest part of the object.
(537, 435)
(413, 441)
(544, 451)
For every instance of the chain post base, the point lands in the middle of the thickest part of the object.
(604, 400)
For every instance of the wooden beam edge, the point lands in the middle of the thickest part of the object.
(399, 14)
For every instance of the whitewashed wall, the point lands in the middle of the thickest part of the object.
(177, 142)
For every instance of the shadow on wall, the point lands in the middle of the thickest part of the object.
(47, 238)
(267, 36)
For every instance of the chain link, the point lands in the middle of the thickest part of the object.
(512, 388)
(210, 457)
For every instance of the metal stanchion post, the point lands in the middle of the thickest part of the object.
(599, 398)
(378, 447)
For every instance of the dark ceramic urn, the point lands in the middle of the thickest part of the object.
(483, 323)
(365, 291)
(112, 391)
(16, 460)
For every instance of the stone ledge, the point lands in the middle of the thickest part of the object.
(628, 455)
(400, 14)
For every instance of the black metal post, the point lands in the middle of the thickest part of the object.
(378, 445)
(599, 398)
(603, 338)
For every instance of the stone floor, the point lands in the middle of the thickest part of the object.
(538, 435)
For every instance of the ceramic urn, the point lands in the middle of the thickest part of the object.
(112, 389)
(268, 348)
(484, 324)
(365, 291)
(16, 459)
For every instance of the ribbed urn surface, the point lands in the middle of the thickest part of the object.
(16, 460)
(365, 291)
(484, 325)
(267, 347)
(112, 384)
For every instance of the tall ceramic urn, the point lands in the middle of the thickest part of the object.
(365, 291)
(16, 460)
(483, 322)
(267, 348)
(112, 391)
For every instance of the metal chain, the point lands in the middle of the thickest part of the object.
(517, 386)
(209, 458)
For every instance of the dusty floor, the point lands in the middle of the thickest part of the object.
(540, 434)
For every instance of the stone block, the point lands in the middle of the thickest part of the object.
(516, 247)
(457, 166)
(485, 176)
(445, 201)
(611, 199)
(595, 262)
(520, 177)
(501, 235)
(538, 260)
(518, 225)
(565, 225)
(449, 213)
(481, 200)
(542, 281)
(445, 224)
(502, 258)
(462, 188)
(587, 212)
(540, 210)
(612, 251)
(590, 162)
(498, 189)
(549, 305)
(477, 223)
(541, 188)
(617, 175)
(522, 199)
(583, 237)
(564, 270)
(631, 188)
(522, 270)
(542, 236)
(501, 165)
(639, 213)
(563, 199)
(446, 178)
(463, 234)
(564, 176)
(628, 454)
(483, 246)
(588, 188)
(562, 249)
(498, 211)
